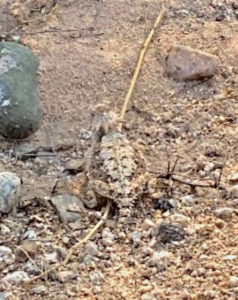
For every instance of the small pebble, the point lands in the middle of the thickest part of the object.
(4, 229)
(52, 257)
(147, 296)
(65, 240)
(234, 177)
(234, 191)
(202, 173)
(41, 289)
(236, 14)
(91, 249)
(30, 234)
(107, 242)
(214, 3)
(147, 224)
(97, 277)
(106, 233)
(185, 295)
(235, 5)
(224, 213)
(233, 281)
(4, 251)
(188, 200)
(180, 219)
(153, 243)
(209, 167)
(220, 17)
(98, 215)
(201, 162)
(136, 237)
(229, 257)
(96, 289)
(28, 247)
(65, 276)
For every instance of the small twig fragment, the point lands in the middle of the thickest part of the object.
(75, 247)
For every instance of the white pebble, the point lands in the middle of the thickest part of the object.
(233, 281)
(16, 277)
(180, 219)
(229, 257)
(4, 251)
(148, 224)
(224, 213)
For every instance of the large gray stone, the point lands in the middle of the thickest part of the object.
(20, 111)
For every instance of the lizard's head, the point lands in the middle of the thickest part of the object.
(105, 119)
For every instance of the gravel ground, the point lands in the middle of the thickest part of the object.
(183, 243)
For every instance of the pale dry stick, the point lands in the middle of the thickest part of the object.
(28, 256)
(75, 247)
(139, 64)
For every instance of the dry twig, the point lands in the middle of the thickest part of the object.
(139, 64)
(75, 247)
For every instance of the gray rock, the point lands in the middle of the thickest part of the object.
(16, 277)
(169, 233)
(3, 296)
(106, 233)
(20, 111)
(107, 242)
(233, 281)
(68, 207)
(233, 191)
(4, 251)
(179, 219)
(97, 277)
(74, 165)
(136, 237)
(184, 64)
(235, 5)
(188, 200)
(31, 269)
(4, 229)
(41, 289)
(209, 167)
(91, 249)
(147, 224)
(224, 213)
(147, 296)
(10, 192)
(30, 234)
(65, 276)
(87, 260)
(6, 255)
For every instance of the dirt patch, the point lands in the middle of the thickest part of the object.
(88, 52)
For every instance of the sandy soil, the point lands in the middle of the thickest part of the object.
(88, 52)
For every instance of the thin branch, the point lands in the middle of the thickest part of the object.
(139, 64)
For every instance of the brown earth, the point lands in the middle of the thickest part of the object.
(88, 52)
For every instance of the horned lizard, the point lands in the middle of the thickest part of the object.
(112, 167)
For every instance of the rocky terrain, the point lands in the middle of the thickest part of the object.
(181, 240)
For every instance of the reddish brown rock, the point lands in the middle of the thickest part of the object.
(184, 63)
